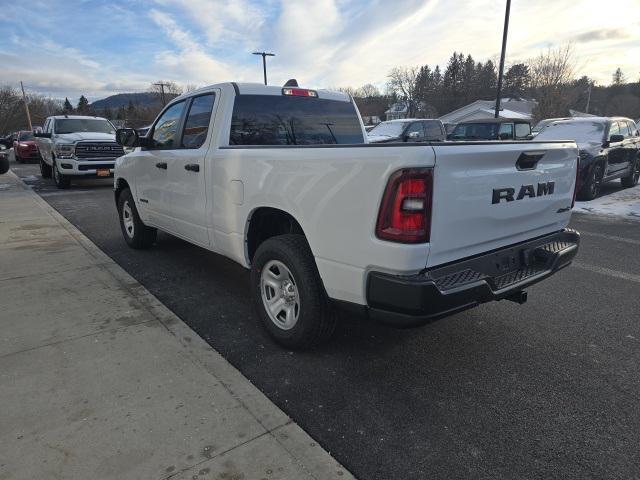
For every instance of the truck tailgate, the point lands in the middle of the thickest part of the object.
(493, 194)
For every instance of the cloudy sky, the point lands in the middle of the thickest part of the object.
(96, 48)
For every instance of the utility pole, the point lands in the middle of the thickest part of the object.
(26, 106)
(162, 85)
(502, 55)
(264, 62)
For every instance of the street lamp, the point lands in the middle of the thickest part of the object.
(504, 48)
(264, 62)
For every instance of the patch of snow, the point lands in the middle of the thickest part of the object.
(614, 200)
(30, 178)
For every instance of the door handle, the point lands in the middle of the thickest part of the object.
(162, 165)
(192, 167)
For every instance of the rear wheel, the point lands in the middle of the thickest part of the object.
(288, 293)
(62, 181)
(632, 180)
(591, 188)
(136, 233)
(45, 170)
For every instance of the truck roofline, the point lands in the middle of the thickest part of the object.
(247, 88)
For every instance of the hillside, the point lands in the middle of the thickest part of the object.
(122, 100)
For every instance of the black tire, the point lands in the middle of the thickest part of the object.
(632, 180)
(62, 181)
(591, 188)
(135, 233)
(45, 170)
(316, 320)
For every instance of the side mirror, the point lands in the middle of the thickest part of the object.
(42, 134)
(616, 138)
(127, 137)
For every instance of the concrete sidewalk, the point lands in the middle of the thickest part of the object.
(99, 380)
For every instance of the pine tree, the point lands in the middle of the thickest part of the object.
(618, 77)
(83, 105)
(517, 80)
(67, 107)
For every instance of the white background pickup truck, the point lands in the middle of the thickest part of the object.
(281, 181)
(75, 146)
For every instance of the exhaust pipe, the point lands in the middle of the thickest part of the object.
(518, 297)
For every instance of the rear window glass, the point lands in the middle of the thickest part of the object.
(285, 120)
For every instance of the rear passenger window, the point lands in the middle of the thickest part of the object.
(197, 123)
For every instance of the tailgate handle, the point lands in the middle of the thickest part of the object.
(529, 160)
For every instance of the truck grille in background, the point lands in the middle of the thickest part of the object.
(98, 150)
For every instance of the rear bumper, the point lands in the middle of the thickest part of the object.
(407, 301)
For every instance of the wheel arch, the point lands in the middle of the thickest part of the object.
(120, 185)
(267, 222)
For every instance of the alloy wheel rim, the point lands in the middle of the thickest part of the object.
(127, 219)
(280, 295)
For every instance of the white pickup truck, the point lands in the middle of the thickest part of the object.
(76, 146)
(281, 180)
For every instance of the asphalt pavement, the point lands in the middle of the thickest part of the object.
(547, 390)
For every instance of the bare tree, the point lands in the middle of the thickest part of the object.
(552, 73)
(367, 91)
(402, 80)
(166, 90)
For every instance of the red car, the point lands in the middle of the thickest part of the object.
(24, 147)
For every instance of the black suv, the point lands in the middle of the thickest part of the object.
(492, 129)
(609, 149)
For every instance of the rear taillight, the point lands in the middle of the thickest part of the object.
(576, 187)
(405, 212)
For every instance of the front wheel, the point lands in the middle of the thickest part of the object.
(591, 188)
(632, 180)
(136, 233)
(288, 293)
(62, 181)
(45, 170)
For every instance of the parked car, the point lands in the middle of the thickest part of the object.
(543, 123)
(73, 146)
(325, 220)
(492, 129)
(609, 149)
(24, 147)
(4, 159)
(407, 130)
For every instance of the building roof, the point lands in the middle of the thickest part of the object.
(494, 120)
(510, 107)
